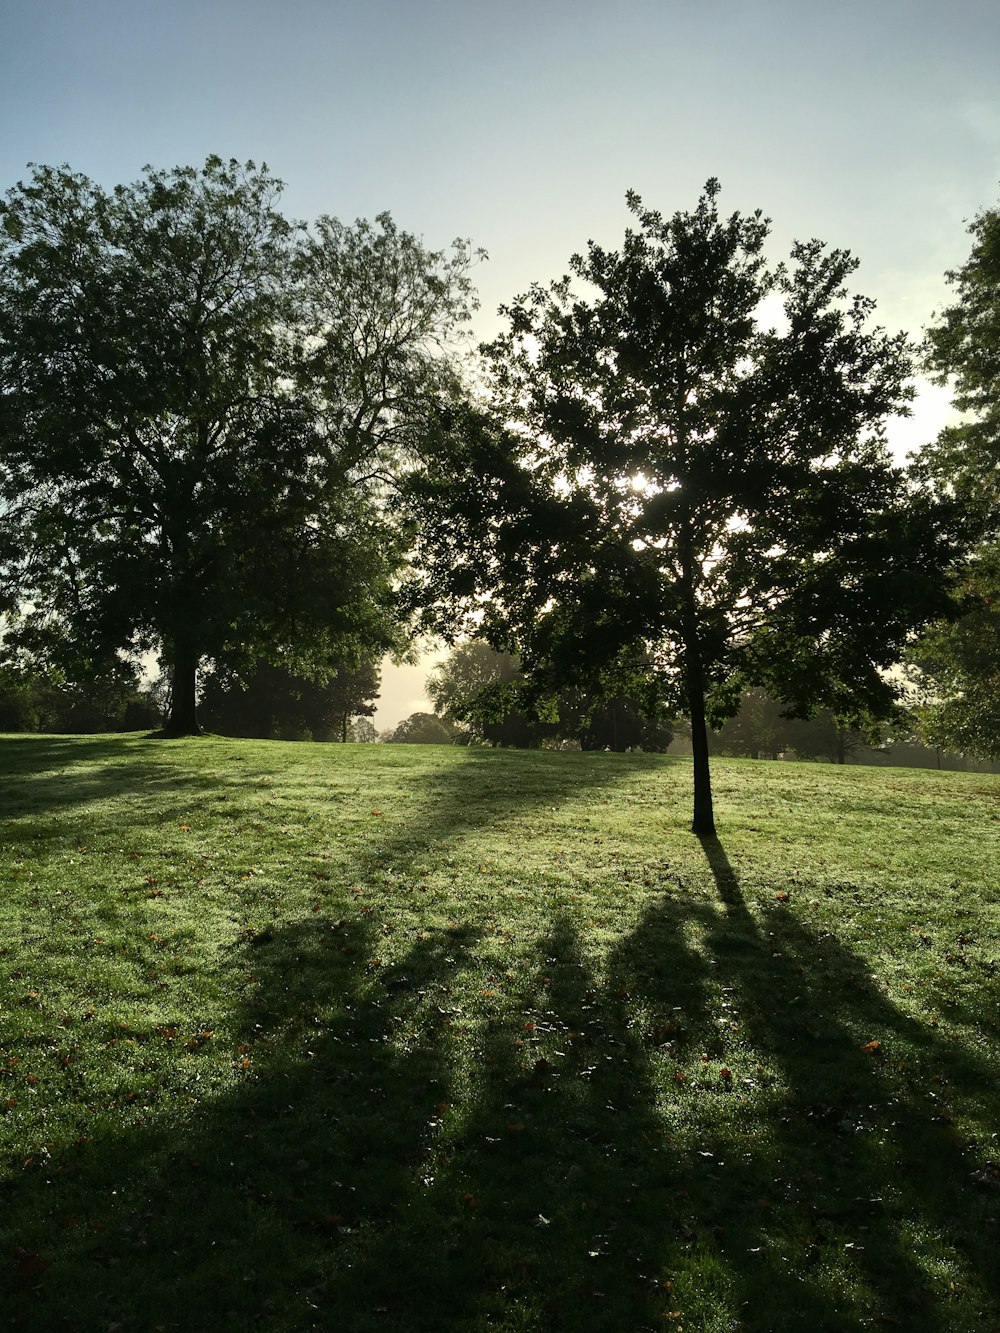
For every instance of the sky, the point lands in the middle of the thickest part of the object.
(871, 124)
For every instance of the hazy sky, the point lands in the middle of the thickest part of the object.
(873, 124)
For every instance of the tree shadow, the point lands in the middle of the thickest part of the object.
(39, 775)
(406, 1151)
(862, 1153)
(335, 1176)
(227, 1212)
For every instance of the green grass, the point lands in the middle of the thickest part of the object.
(413, 1038)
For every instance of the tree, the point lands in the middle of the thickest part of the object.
(384, 323)
(957, 661)
(759, 730)
(486, 691)
(362, 731)
(273, 702)
(199, 410)
(962, 350)
(663, 474)
(422, 729)
(618, 724)
(824, 736)
(113, 701)
(476, 686)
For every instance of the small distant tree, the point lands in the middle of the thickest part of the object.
(273, 702)
(475, 687)
(361, 730)
(758, 731)
(487, 693)
(824, 736)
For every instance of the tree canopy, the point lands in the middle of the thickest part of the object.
(665, 474)
(200, 407)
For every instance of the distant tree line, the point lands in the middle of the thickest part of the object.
(255, 451)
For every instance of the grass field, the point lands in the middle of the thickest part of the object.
(304, 1037)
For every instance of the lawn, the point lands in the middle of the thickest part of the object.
(304, 1037)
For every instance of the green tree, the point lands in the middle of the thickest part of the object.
(486, 691)
(422, 729)
(273, 702)
(384, 322)
(110, 701)
(957, 662)
(476, 686)
(962, 351)
(666, 475)
(200, 409)
(759, 730)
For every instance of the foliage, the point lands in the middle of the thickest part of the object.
(474, 686)
(963, 352)
(487, 692)
(422, 729)
(440, 1037)
(111, 699)
(759, 730)
(665, 478)
(275, 703)
(361, 730)
(762, 729)
(956, 661)
(958, 666)
(383, 320)
(200, 409)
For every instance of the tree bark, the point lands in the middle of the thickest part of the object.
(183, 720)
(703, 822)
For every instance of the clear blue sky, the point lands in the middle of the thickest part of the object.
(873, 124)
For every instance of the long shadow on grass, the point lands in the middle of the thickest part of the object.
(39, 775)
(361, 1175)
(486, 790)
(553, 1193)
(819, 1212)
(233, 1210)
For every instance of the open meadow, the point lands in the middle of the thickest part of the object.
(300, 1036)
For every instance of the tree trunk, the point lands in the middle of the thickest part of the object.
(703, 823)
(183, 693)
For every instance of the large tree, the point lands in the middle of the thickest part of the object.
(958, 660)
(665, 473)
(197, 420)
